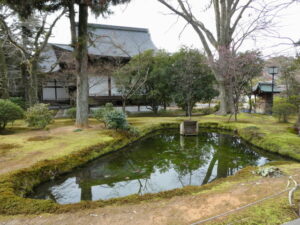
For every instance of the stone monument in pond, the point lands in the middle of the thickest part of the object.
(189, 128)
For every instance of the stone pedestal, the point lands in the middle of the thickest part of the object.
(189, 128)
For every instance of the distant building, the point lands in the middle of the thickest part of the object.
(110, 47)
(263, 90)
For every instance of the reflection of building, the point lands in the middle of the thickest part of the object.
(263, 90)
(110, 47)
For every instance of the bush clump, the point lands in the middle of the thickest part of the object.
(9, 112)
(19, 101)
(71, 113)
(283, 110)
(100, 113)
(38, 116)
(115, 120)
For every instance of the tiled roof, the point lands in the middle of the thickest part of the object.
(266, 87)
(116, 41)
(106, 41)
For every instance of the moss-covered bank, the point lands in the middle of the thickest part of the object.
(14, 186)
(267, 141)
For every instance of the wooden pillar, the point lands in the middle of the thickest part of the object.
(55, 89)
(109, 86)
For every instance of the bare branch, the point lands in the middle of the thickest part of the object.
(48, 34)
(10, 37)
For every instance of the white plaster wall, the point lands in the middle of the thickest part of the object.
(114, 89)
(130, 108)
(98, 86)
(49, 94)
(62, 93)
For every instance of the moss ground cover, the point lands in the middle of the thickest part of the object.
(29, 163)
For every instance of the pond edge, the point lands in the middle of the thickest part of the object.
(16, 185)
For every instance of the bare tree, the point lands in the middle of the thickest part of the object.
(30, 51)
(229, 33)
(131, 77)
(241, 69)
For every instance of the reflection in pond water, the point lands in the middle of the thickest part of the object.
(157, 163)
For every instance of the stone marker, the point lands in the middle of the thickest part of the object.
(189, 128)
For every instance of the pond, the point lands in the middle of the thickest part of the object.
(159, 162)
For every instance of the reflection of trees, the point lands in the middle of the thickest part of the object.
(160, 153)
(230, 155)
(218, 154)
(210, 169)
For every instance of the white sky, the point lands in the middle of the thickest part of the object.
(165, 29)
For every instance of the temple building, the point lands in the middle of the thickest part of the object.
(109, 48)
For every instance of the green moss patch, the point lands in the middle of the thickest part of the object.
(16, 185)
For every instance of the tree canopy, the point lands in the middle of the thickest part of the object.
(159, 78)
(193, 79)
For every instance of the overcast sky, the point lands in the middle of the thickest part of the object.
(165, 29)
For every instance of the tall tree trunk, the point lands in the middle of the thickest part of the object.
(189, 108)
(82, 64)
(32, 83)
(25, 33)
(72, 22)
(4, 93)
(186, 109)
(235, 115)
(223, 80)
(230, 97)
(24, 75)
(124, 105)
(250, 103)
(226, 103)
(154, 108)
(223, 99)
(72, 15)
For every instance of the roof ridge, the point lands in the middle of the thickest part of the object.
(116, 27)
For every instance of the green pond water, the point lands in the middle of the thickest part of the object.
(159, 162)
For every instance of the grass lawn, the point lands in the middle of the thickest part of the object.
(23, 148)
